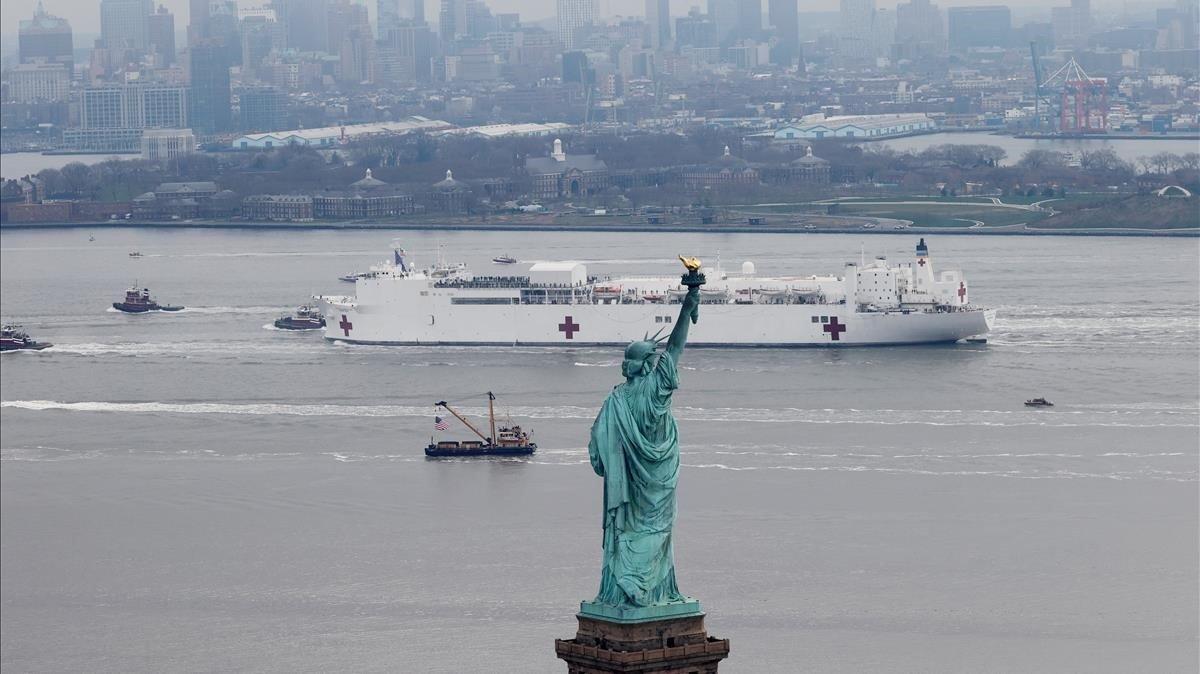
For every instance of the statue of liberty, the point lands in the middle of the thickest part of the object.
(634, 446)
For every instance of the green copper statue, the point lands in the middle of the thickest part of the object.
(635, 448)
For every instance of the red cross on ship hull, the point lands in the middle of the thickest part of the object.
(834, 329)
(568, 327)
(345, 325)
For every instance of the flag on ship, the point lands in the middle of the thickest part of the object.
(440, 423)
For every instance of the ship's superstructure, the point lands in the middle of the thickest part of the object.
(560, 304)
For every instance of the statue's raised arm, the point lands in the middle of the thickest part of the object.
(689, 310)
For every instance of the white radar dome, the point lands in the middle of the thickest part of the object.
(748, 268)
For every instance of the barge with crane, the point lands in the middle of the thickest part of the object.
(510, 440)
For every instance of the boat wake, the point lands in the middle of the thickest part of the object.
(1058, 418)
(232, 310)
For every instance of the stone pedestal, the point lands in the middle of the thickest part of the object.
(675, 645)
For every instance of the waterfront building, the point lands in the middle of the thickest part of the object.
(334, 135)
(160, 36)
(184, 201)
(163, 144)
(278, 208)
(983, 26)
(450, 196)
(728, 170)
(38, 83)
(134, 106)
(861, 126)
(573, 15)
(367, 198)
(124, 23)
(806, 170)
(566, 175)
(45, 39)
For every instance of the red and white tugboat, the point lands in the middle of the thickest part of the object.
(305, 318)
(13, 338)
(138, 301)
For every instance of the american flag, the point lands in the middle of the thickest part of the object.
(440, 424)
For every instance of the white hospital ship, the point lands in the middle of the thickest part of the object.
(559, 304)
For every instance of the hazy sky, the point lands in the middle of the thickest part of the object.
(84, 15)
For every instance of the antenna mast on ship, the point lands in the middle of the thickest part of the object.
(492, 414)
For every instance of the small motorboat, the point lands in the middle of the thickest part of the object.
(504, 259)
(1038, 402)
(305, 318)
(351, 278)
(13, 338)
(135, 254)
(91, 237)
(138, 301)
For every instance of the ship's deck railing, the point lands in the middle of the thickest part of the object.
(521, 282)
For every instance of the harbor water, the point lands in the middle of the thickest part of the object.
(199, 491)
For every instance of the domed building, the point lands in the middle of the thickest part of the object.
(450, 195)
(366, 198)
(807, 170)
(563, 175)
(726, 170)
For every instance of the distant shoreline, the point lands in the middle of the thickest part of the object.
(597, 227)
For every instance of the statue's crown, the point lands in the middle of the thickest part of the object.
(644, 347)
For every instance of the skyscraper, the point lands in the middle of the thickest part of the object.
(658, 23)
(414, 44)
(160, 35)
(696, 30)
(210, 97)
(572, 15)
(351, 38)
(391, 14)
(856, 29)
(749, 19)
(986, 26)
(784, 16)
(1072, 25)
(123, 23)
(724, 14)
(262, 109)
(919, 21)
(46, 38)
(260, 35)
(303, 24)
(197, 21)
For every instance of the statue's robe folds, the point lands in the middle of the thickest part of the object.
(634, 447)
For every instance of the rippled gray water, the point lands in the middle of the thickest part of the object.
(198, 491)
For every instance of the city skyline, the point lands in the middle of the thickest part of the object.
(84, 16)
